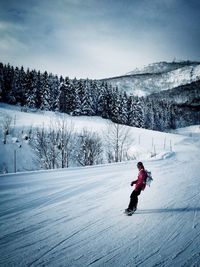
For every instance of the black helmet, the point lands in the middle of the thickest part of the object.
(140, 164)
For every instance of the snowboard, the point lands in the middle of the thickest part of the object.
(129, 213)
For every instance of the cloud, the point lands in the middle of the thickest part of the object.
(97, 38)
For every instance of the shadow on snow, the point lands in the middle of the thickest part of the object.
(185, 209)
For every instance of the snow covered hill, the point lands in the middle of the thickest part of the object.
(157, 77)
(161, 67)
(144, 143)
(74, 217)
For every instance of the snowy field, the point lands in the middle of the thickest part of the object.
(74, 217)
(144, 143)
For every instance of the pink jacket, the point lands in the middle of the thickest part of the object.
(140, 183)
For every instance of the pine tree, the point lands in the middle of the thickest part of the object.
(7, 94)
(123, 109)
(46, 94)
(31, 91)
(102, 100)
(39, 93)
(139, 122)
(51, 94)
(105, 100)
(95, 95)
(27, 83)
(78, 87)
(55, 93)
(70, 96)
(87, 101)
(131, 111)
(115, 105)
(62, 96)
(16, 86)
(22, 91)
(2, 89)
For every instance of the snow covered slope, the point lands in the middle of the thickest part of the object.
(157, 77)
(161, 67)
(144, 143)
(74, 217)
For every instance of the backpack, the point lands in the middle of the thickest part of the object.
(149, 178)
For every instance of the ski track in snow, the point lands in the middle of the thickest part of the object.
(74, 217)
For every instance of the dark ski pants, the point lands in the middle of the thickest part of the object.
(134, 199)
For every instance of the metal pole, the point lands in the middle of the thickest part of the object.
(15, 165)
(164, 142)
(154, 150)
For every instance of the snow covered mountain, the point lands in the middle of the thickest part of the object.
(162, 67)
(157, 77)
(74, 217)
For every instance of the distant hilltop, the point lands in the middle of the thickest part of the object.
(163, 66)
(157, 77)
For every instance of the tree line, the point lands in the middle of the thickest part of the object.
(41, 90)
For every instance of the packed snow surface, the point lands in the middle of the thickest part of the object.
(74, 217)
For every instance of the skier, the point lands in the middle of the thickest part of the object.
(140, 184)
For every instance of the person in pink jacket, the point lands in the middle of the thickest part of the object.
(140, 185)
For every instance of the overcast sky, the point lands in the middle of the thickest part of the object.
(97, 38)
